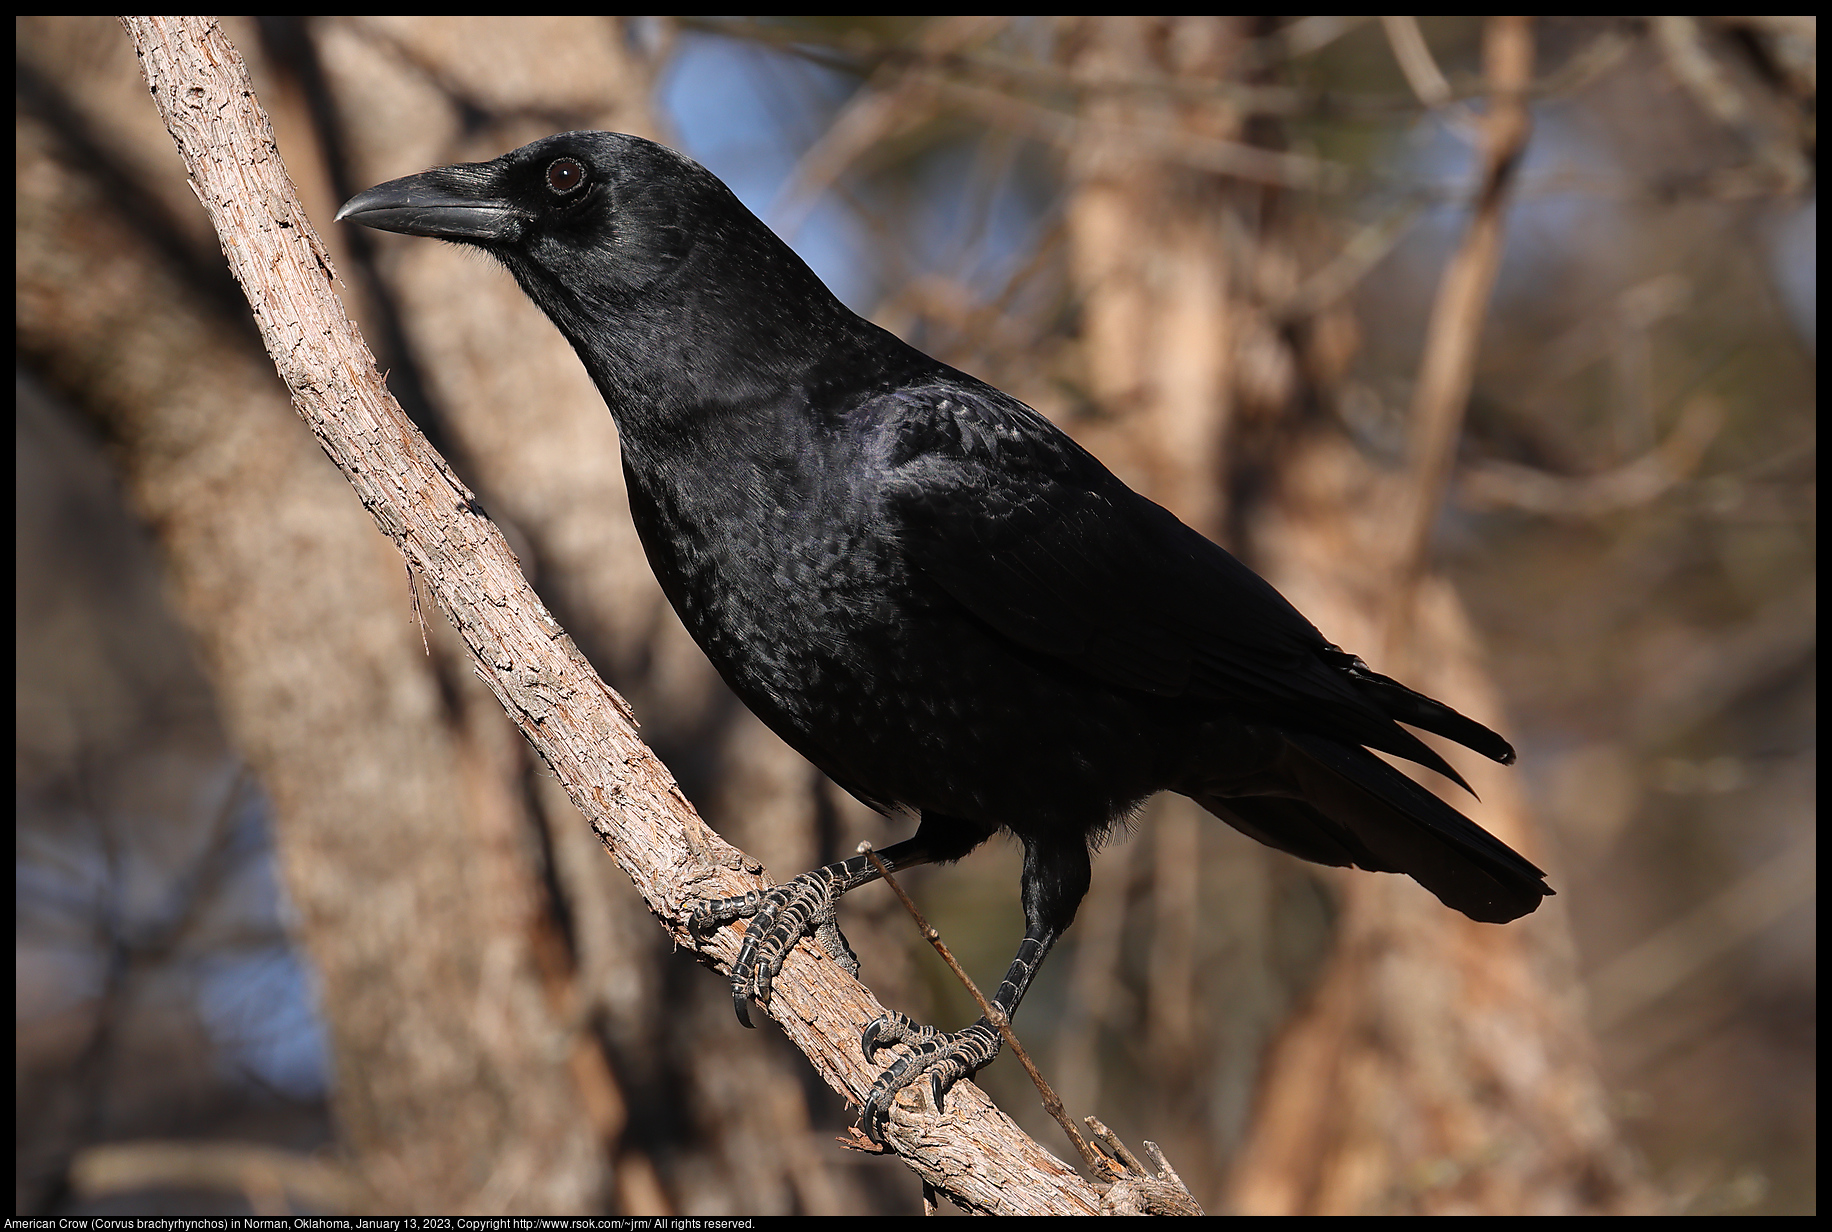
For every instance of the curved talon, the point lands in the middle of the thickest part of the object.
(869, 1041)
(779, 917)
(945, 1057)
(891, 1028)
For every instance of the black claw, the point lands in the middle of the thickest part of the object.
(779, 918)
(874, 1117)
(942, 1058)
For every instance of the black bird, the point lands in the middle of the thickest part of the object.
(929, 590)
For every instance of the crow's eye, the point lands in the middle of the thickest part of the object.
(565, 176)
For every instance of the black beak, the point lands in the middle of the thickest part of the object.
(451, 203)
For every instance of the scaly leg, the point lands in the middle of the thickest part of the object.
(804, 905)
(1055, 879)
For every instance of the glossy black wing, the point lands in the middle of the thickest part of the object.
(1037, 539)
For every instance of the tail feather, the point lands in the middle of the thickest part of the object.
(1429, 714)
(1339, 804)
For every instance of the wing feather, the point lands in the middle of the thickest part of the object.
(1033, 536)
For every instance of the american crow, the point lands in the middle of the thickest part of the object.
(930, 591)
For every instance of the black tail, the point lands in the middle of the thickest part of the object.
(1341, 805)
(1395, 701)
(1427, 713)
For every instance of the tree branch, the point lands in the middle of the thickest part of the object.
(1448, 367)
(578, 724)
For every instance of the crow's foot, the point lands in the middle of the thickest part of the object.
(779, 917)
(944, 1056)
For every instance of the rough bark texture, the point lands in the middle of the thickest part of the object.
(402, 865)
(578, 725)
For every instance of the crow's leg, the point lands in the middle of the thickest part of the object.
(1055, 879)
(784, 914)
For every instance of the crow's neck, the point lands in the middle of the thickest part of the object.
(720, 373)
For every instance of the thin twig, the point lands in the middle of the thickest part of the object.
(894, 101)
(267, 1176)
(995, 1016)
(1119, 1150)
(1723, 923)
(1139, 1190)
(1415, 60)
(1681, 41)
(1508, 485)
(413, 590)
(1230, 158)
(1447, 369)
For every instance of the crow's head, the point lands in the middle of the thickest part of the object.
(592, 207)
(669, 288)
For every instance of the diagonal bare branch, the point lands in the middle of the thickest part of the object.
(1449, 362)
(577, 723)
